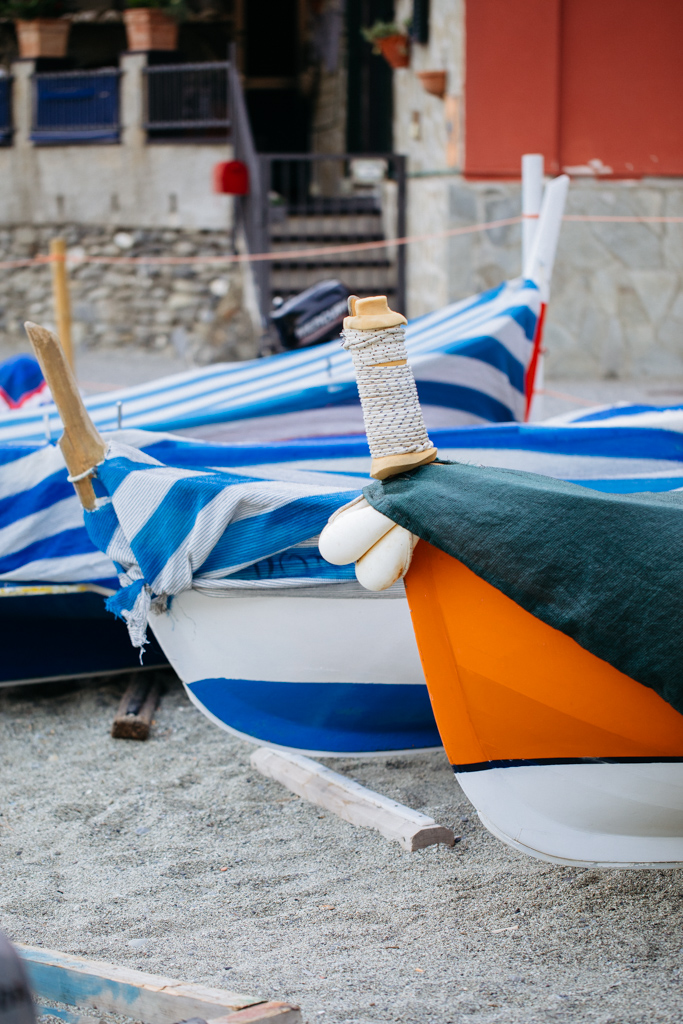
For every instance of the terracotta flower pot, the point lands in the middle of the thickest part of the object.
(42, 37)
(395, 50)
(433, 82)
(148, 28)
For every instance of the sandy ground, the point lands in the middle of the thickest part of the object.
(114, 849)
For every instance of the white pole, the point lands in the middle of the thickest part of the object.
(539, 268)
(541, 256)
(532, 191)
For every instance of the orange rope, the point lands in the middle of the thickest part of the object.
(325, 250)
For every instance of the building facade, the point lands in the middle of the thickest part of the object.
(596, 89)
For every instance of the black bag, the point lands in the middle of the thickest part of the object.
(313, 316)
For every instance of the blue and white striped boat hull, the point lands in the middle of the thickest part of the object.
(331, 668)
(333, 674)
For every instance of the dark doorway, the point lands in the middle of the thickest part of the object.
(272, 62)
(370, 95)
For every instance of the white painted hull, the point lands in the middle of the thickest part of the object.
(326, 670)
(599, 814)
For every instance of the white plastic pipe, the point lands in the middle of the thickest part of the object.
(539, 265)
(532, 194)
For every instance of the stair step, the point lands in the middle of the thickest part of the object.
(372, 281)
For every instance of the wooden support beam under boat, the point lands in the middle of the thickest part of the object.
(349, 800)
(139, 702)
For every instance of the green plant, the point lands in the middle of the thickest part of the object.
(28, 10)
(175, 8)
(380, 30)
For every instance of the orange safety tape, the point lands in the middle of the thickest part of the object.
(325, 250)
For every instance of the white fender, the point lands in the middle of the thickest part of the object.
(387, 560)
(351, 531)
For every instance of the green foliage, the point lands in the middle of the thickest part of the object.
(28, 10)
(380, 30)
(174, 8)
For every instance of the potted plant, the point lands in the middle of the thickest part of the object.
(433, 82)
(41, 32)
(391, 41)
(153, 24)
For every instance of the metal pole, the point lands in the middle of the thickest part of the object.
(401, 230)
(60, 294)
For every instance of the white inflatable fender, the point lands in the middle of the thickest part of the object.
(351, 531)
(387, 561)
(358, 533)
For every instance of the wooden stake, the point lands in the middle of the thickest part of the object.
(138, 704)
(81, 444)
(60, 294)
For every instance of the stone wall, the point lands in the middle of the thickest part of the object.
(199, 312)
(616, 307)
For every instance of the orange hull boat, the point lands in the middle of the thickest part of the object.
(563, 756)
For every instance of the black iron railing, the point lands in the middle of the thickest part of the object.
(318, 201)
(76, 106)
(251, 211)
(187, 101)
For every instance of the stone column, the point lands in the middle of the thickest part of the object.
(22, 100)
(25, 206)
(132, 98)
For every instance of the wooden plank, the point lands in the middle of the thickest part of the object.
(138, 704)
(145, 997)
(351, 801)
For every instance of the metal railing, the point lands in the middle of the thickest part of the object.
(326, 201)
(251, 211)
(187, 101)
(6, 128)
(76, 106)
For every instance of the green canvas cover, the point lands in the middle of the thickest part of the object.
(606, 569)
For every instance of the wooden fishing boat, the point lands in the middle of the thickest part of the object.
(78, 638)
(565, 755)
(279, 667)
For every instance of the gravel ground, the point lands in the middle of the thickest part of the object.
(173, 856)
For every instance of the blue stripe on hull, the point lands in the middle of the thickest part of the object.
(338, 717)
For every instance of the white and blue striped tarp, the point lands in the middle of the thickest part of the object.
(43, 538)
(664, 417)
(469, 361)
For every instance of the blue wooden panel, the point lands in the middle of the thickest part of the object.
(76, 108)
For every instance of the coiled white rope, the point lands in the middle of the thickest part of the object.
(391, 408)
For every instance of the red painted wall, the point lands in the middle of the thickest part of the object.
(622, 85)
(511, 84)
(576, 80)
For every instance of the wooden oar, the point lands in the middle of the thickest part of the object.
(81, 444)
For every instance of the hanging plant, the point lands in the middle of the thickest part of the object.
(389, 40)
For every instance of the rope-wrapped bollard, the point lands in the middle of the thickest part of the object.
(375, 337)
(398, 439)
